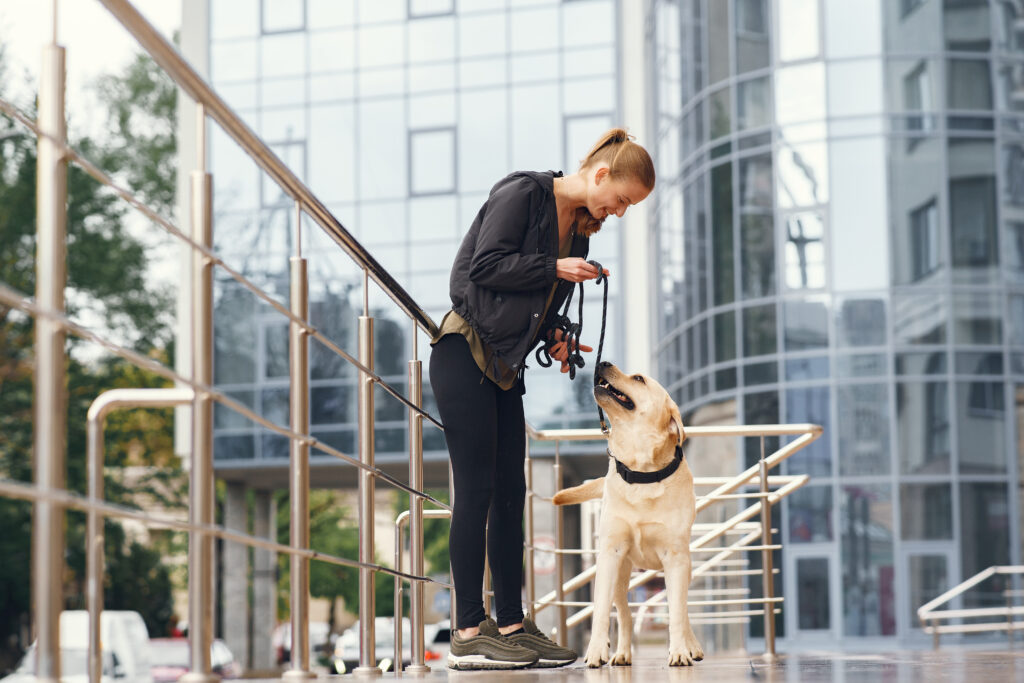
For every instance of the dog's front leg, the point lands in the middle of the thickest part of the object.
(609, 559)
(624, 648)
(683, 647)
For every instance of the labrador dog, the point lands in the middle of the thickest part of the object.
(646, 514)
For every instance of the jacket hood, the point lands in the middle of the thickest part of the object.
(542, 178)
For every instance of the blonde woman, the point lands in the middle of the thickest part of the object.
(520, 259)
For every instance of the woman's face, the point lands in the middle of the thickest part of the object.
(607, 196)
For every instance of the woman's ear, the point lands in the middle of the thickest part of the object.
(601, 173)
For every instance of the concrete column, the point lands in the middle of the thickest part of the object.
(264, 583)
(235, 586)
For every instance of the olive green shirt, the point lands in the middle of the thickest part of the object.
(498, 372)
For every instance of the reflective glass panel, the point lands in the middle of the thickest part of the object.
(852, 28)
(753, 104)
(283, 15)
(979, 363)
(811, 405)
(868, 567)
(798, 369)
(332, 405)
(967, 25)
(800, 93)
(929, 578)
(968, 84)
(860, 322)
(810, 513)
(225, 417)
(861, 365)
(977, 318)
(981, 427)
(761, 373)
(719, 63)
(926, 363)
(813, 594)
(234, 447)
(803, 175)
(920, 318)
(758, 409)
(805, 250)
(432, 161)
(923, 427)
(752, 21)
(984, 538)
(805, 325)
(721, 233)
(725, 336)
(972, 210)
(918, 237)
(759, 334)
(798, 29)
(863, 413)
(913, 25)
(234, 334)
(926, 512)
(720, 113)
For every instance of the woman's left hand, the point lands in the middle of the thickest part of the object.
(559, 349)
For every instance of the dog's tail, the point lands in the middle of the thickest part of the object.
(577, 494)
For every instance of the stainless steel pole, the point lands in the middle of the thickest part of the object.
(563, 637)
(298, 468)
(531, 586)
(201, 489)
(417, 645)
(103, 404)
(768, 579)
(50, 396)
(367, 646)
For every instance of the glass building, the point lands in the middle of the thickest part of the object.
(840, 231)
(400, 115)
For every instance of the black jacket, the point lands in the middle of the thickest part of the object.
(505, 267)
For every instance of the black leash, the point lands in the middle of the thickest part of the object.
(571, 335)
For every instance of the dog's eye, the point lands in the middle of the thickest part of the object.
(639, 378)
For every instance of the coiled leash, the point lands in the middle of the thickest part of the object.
(571, 335)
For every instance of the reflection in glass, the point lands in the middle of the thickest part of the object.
(274, 404)
(860, 322)
(719, 113)
(813, 594)
(972, 198)
(984, 538)
(981, 427)
(861, 365)
(977, 318)
(721, 233)
(725, 336)
(759, 409)
(798, 369)
(234, 447)
(866, 524)
(275, 352)
(967, 26)
(798, 29)
(968, 84)
(917, 96)
(805, 251)
(928, 576)
(751, 35)
(919, 318)
(811, 405)
(283, 15)
(923, 427)
(979, 363)
(756, 227)
(759, 333)
(863, 413)
(805, 325)
(274, 446)
(761, 373)
(225, 417)
(926, 512)
(719, 64)
(332, 405)
(800, 93)
(927, 363)
(753, 104)
(725, 379)
(803, 175)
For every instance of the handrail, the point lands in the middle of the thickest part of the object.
(168, 58)
(930, 617)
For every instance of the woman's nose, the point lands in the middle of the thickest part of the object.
(620, 211)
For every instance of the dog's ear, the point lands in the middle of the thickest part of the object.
(675, 424)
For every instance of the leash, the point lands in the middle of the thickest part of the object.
(571, 335)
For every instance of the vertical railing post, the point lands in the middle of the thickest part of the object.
(563, 637)
(50, 409)
(201, 489)
(367, 611)
(531, 586)
(767, 580)
(417, 646)
(298, 467)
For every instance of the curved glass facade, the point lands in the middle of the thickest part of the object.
(840, 216)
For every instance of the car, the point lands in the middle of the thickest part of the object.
(281, 640)
(170, 659)
(346, 650)
(125, 653)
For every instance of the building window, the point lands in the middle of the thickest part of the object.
(805, 251)
(908, 6)
(293, 155)
(432, 166)
(282, 16)
(418, 9)
(924, 240)
(917, 97)
(973, 221)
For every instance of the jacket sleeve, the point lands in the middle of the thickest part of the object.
(498, 262)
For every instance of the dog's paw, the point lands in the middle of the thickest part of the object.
(621, 659)
(596, 656)
(693, 645)
(680, 659)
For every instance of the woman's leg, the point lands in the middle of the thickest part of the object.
(505, 523)
(468, 412)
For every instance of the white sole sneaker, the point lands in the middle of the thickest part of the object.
(470, 662)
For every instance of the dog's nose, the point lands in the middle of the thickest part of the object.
(603, 365)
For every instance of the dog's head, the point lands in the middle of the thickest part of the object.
(639, 409)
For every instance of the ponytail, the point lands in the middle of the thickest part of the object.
(626, 161)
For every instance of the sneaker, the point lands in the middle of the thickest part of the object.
(550, 654)
(488, 650)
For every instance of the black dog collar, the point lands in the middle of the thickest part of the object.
(634, 477)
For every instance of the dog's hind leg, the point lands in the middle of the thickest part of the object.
(624, 648)
(683, 647)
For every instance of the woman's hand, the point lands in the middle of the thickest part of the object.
(575, 269)
(559, 349)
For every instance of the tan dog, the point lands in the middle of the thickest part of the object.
(644, 524)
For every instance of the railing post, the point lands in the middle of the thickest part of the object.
(531, 586)
(50, 396)
(298, 468)
(767, 580)
(201, 489)
(417, 646)
(563, 637)
(367, 612)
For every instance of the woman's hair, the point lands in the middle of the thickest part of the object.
(626, 161)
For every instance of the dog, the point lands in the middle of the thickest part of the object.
(646, 523)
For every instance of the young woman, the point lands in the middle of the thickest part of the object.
(520, 259)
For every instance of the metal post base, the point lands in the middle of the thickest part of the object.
(416, 669)
(297, 675)
(197, 677)
(367, 671)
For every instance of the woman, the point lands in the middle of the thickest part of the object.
(520, 259)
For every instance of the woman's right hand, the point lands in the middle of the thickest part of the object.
(575, 269)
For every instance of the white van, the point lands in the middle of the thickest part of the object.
(124, 642)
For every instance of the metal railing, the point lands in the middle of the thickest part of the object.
(723, 490)
(932, 618)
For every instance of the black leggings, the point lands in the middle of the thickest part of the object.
(486, 433)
